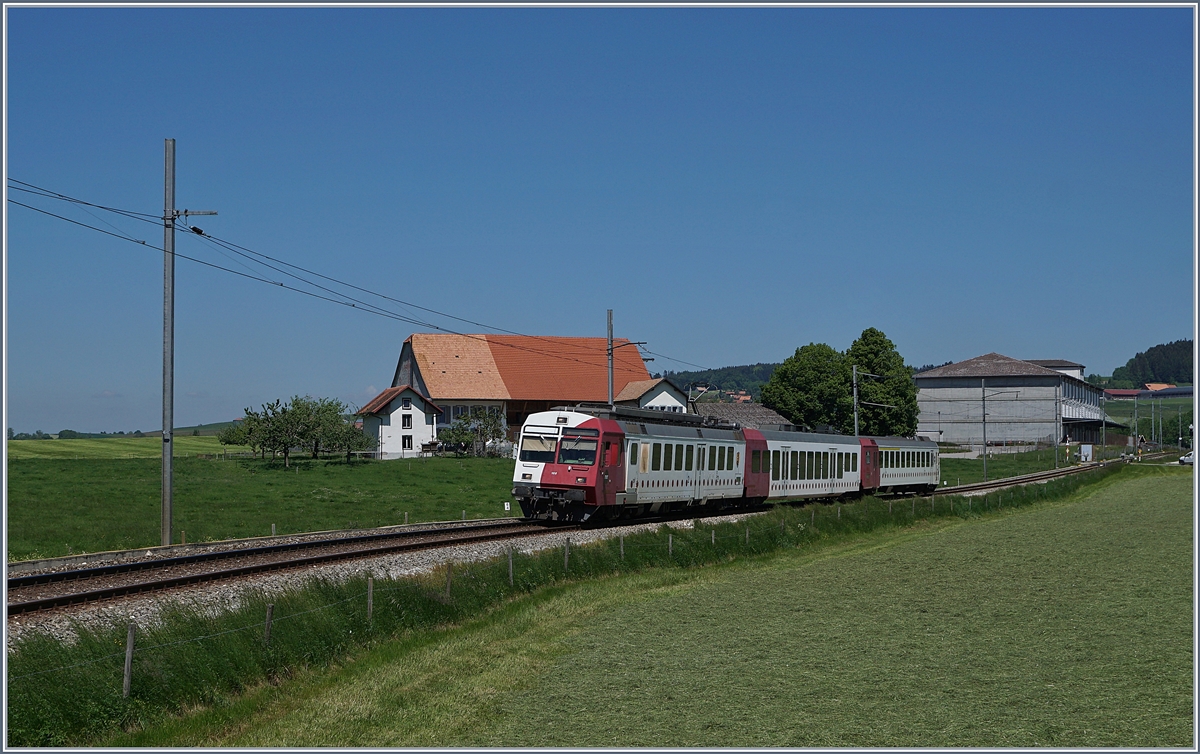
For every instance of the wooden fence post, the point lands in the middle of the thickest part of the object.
(839, 507)
(510, 565)
(814, 515)
(714, 536)
(406, 518)
(267, 627)
(370, 598)
(670, 543)
(128, 661)
(747, 535)
(622, 547)
(449, 572)
(464, 516)
(567, 554)
(914, 505)
(273, 525)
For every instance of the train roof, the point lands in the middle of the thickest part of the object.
(903, 442)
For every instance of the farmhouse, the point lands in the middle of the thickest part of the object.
(1027, 402)
(513, 375)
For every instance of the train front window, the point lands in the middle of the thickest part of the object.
(579, 451)
(538, 449)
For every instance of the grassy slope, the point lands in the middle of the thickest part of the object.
(60, 506)
(1068, 625)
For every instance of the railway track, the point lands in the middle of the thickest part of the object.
(1016, 481)
(66, 588)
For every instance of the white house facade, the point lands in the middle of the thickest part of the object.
(401, 420)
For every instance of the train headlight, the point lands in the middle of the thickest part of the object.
(527, 476)
(580, 480)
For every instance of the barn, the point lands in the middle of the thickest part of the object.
(445, 376)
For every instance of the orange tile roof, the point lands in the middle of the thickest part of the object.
(458, 366)
(568, 369)
(633, 390)
(523, 367)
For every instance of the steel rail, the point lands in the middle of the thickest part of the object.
(50, 577)
(445, 539)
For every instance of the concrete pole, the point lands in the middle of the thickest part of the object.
(610, 360)
(168, 376)
(854, 370)
(983, 393)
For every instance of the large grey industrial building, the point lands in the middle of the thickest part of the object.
(1027, 402)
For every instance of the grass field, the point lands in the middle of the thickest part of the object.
(1001, 465)
(115, 447)
(1068, 624)
(60, 507)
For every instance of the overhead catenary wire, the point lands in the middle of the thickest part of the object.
(343, 299)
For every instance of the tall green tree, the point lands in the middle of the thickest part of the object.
(811, 388)
(874, 353)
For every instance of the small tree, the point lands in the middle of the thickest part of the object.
(235, 434)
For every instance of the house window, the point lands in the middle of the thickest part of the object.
(406, 442)
(406, 403)
(406, 421)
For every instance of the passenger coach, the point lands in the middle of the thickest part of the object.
(591, 464)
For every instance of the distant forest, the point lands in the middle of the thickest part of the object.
(1168, 362)
(750, 378)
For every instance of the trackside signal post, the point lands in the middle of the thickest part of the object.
(170, 214)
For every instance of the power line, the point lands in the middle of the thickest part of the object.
(370, 309)
(349, 301)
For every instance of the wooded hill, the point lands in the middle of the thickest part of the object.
(750, 378)
(1168, 362)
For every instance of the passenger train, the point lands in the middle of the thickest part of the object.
(597, 464)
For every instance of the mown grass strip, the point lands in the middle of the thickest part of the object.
(325, 622)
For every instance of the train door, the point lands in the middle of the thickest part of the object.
(700, 488)
(611, 477)
(869, 467)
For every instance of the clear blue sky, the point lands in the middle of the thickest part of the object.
(734, 183)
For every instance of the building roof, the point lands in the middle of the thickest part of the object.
(751, 415)
(522, 367)
(1117, 392)
(634, 390)
(990, 365)
(1156, 386)
(380, 402)
(1055, 363)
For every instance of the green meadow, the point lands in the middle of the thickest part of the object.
(1067, 622)
(64, 506)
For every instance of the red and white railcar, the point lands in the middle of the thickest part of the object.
(585, 464)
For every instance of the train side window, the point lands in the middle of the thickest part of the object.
(825, 466)
(729, 458)
(691, 452)
(656, 460)
(679, 457)
(774, 464)
(720, 459)
(854, 461)
(803, 465)
(843, 464)
(633, 454)
(755, 462)
(645, 461)
(793, 463)
(667, 457)
(712, 457)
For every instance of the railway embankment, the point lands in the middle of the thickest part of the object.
(71, 692)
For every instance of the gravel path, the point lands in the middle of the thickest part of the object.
(216, 597)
